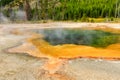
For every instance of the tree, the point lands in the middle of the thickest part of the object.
(28, 10)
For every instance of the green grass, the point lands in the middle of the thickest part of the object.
(65, 10)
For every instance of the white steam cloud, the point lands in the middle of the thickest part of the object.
(3, 18)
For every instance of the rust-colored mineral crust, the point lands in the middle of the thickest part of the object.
(40, 48)
(73, 51)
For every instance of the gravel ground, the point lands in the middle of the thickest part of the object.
(25, 67)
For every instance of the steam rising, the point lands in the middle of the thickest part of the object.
(3, 18)
(94, 38)
(18, 15)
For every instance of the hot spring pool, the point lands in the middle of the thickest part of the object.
(73, 43)
(94, 38)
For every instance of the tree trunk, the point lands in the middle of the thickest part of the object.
(28, 10)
